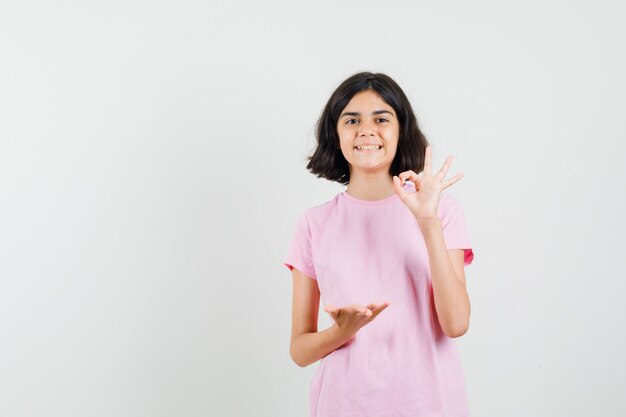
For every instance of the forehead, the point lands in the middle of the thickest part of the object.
(367, 100)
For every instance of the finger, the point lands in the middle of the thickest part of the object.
(428, 170)
(333, 311)
(355, 309)
(452, 180)
(416, 179)
(397, 187)
(359, 309)
(378, 306)
(444, 170)
(330, 308)
(380, 309)
(411, 176)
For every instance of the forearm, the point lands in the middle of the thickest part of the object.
(308, 348)
(451, 299)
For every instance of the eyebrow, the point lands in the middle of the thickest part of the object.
(374, 113)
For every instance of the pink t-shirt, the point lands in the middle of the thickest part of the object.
(400, 364)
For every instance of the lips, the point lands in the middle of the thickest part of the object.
(368, 147)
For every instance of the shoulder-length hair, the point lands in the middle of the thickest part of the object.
(327, 160)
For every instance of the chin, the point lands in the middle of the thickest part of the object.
(378, 167)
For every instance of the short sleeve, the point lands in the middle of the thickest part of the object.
(299, 254)
(455, 233)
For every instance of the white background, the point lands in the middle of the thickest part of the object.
(152, 167)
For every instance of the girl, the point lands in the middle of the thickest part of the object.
(387, 257)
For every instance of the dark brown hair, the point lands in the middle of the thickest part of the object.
(328, 162)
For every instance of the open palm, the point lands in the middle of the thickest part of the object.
(425, 201)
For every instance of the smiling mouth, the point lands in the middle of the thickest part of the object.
(368, 148)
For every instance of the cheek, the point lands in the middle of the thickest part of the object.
(390, 129)
(391, 134)
(392, 141)
(341, 134)
(344, 132)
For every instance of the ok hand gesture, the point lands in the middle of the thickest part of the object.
(425, 201)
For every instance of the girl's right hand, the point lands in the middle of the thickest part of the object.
(351, 318)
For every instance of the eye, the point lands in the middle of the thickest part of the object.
(383, 119)
(349, 121)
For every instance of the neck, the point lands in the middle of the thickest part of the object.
(370, 186)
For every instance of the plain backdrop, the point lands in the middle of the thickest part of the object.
(152, 167)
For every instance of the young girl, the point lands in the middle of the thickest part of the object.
(387, 257)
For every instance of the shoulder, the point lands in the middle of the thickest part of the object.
(448, 204)
(315, 218)
(448, 200)
(446, 197)
(321, 211)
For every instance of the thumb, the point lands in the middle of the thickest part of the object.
(331, 309)
(398, 187)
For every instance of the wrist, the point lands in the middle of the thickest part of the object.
(339, 334)
(429, 223)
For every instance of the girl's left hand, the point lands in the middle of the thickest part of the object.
(424, 202)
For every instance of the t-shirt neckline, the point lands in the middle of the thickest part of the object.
(355, 200)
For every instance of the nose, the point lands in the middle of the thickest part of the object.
(366, 129)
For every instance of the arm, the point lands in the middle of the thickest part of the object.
(448, 279)
(307, 344)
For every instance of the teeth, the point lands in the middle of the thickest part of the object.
(368, 148)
